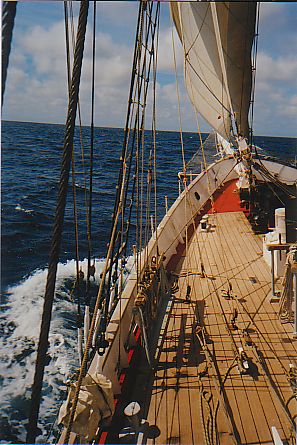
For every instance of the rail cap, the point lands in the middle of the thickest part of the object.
(283, 246)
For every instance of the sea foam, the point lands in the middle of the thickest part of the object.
(20, 325)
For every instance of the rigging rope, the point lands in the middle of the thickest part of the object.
(78, 281)
(286, 311)
(8, 16)
(70, 5)
(155, 63)
(254, 67)
(118, 210)
(58, 226)
(147, 27)
(89, 212)
(179, 109)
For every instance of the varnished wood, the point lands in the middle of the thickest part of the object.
(231, 254)
(284, 246)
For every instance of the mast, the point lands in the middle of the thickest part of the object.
(43, 344)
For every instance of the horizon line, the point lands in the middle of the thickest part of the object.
(122, 128)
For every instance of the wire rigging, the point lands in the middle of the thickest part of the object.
(58, 226)
(89, 213)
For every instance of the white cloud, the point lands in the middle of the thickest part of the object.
(276, 79)
(36, 87)
(281, 69)
(165, 52)
(275, 111)
(46, 47)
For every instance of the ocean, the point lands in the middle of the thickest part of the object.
(31, 155)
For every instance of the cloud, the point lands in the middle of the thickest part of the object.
(165, 51)
(37, 81)
(275, 110)
(276, 80)
(37, 78)
(46, 48)
(36, 87)
(281, 69)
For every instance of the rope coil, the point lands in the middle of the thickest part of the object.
(286, 312)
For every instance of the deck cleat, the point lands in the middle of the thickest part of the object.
(232, 324)
(101, 344)
(227, 294)
(202, 369)
(243, 361)
(247, 338)
(292, 375)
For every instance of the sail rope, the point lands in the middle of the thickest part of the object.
(195, 109)
(8, 16)
(254, 70)
(185, 181)
(89, 213)
(138, 140)
(78, 281)
(79, 273)
(126, 155)
(213, 7)
(286, 311)
(70, 14)
(58, 226)
(198, 33)
(179, 107)
(103, 300)
(154, 130)
(186, 247)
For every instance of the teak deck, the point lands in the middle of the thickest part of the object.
(198, 394)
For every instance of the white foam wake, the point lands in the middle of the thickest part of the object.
(20, 324)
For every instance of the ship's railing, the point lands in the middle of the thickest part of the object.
(191, 204)
(170, 233)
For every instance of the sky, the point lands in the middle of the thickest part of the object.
(36, 87)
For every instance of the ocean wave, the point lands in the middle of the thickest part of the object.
(19, 326)
(21, 209)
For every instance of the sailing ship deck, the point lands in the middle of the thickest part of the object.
(197, 394)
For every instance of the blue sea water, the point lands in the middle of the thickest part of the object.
(31, 156)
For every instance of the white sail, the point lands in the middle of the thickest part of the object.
(217, 40)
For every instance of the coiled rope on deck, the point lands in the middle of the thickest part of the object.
(287, 297)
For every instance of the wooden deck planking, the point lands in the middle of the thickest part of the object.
(236, 399)
(175, 406)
